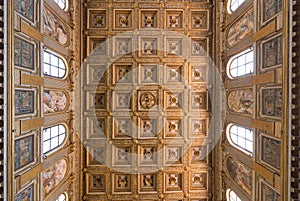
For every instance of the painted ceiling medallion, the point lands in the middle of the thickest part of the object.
(98, 182)
(148, 127)
(199, 19)
(147, 100)
(173, 180)
(99, 20)
(175, 19)
(198, 154)
(123, 21)
(122, 181)
(123, 48)
(173, 100)
(173, 74)
(148, 154)
(196, 73)
(197, 126)
(148, 21)
(173, 127)
(99, 101)
(172, 154)
(199, 181)
(148, 180)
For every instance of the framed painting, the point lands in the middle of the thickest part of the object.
(24, 54)
(269, 9)
(24, 151)
(26, 195)
(25, 8)
(241, 101)
(54, 101)
(271, 52)
(24, 102)
(271, 102)
(241, 29)
(267, 193)
(240, 173)
(55, 28)
(53, 176)
(270, 151)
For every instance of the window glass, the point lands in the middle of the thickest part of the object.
(241, 138)
(62, 197)
(53, 138)
(241, 64)
(233, 196)
(61, 3)
(54, 65)
(234, 4)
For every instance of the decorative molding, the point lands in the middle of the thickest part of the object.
(270, 28)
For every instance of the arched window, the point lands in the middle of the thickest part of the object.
(233, 5)
(241, 64)
(62, 197)
(61, 3)
(54, 65)
(53, 137)
(232, 196)
(241, 138)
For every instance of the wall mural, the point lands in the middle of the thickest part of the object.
(241, 28)
(54, 101)
(272, 53)
(271, 8)
(23, 53)
(24, 151)
(241, 101)
(240, 173)
(53, 176)
(25, 8)
(54, 28)
(271, 102)
(24, 102)
(26, 194)
(268, 194)
(270, 151)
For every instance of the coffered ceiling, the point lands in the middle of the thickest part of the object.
(146, 117)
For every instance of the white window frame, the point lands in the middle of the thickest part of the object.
(237, 146)
(61, 60)
(65, 3)
(51, 137)
(229, 197)
(65, 198)
(242, 66)
(229, 5)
